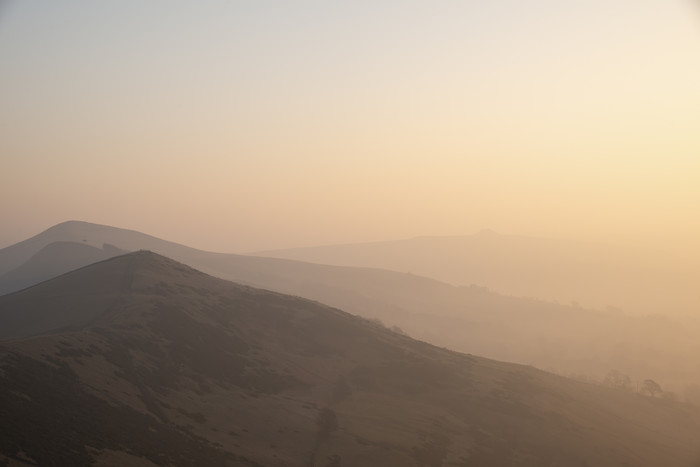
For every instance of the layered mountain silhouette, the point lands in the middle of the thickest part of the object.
(53, 260)
(597, 275)
(570, 340)
(141, 360)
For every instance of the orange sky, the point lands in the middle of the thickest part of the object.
(237, 127)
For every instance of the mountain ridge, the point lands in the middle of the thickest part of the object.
(590, 273)
(188, 369)
(563, 338)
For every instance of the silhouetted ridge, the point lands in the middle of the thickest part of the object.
(468, 318)
(144, 358)
(53, 260)
(85, 296)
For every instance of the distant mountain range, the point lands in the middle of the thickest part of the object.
(640, 281)
(141, 360)
(561, 338)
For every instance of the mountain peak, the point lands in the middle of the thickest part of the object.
(72, 225)
(87, 295)
(143, 357)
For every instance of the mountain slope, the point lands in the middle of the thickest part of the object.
(53, 260)
(171, 366)
(469, 319)
(89, 234)
(595, 275)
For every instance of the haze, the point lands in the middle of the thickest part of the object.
(238, 126)
(350, 233)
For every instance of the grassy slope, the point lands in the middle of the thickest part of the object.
(181, 368)
(547, 335)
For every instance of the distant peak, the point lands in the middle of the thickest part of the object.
(72, 222)
(71, 225)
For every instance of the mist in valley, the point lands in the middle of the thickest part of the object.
(340, 234)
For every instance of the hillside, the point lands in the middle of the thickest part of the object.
(53, 260)
(556, 337)
(140, 360)
(596, 275)
(86, 234)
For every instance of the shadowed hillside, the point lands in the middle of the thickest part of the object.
(164, 365)
(53, 260)
(564, 338)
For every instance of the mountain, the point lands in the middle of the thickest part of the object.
(52, 260)
(88, 234)
(562, 338)
(593, 274)
(140, 360)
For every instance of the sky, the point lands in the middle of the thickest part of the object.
(238, 125)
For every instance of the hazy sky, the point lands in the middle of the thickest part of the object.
(241, 125)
